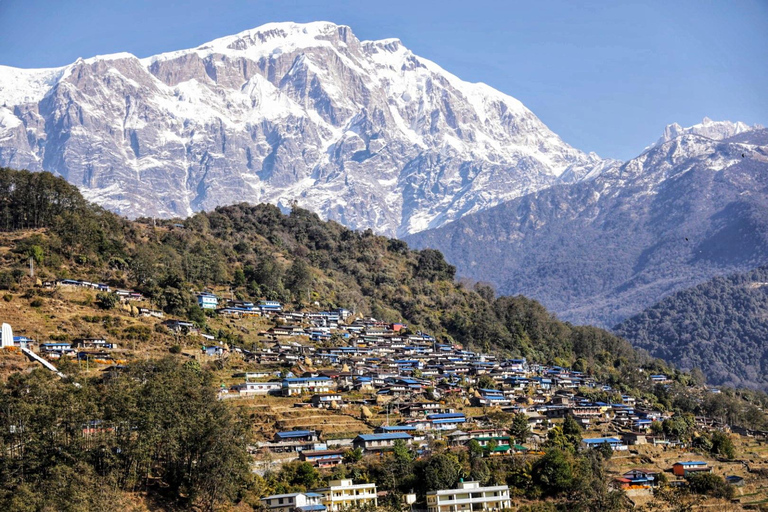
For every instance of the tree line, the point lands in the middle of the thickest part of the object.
(156, 428)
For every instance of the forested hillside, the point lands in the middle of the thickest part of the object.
(258, 252)
(720, 326)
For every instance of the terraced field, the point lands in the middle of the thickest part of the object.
(274, 414)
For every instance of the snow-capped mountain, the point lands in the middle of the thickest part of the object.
(693, 206)
(363, 132)
(717, 130)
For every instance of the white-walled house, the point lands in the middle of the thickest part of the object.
(258, 388)
(343, 494)
(469, 496)
(301, 501)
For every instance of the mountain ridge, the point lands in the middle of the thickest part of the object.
(603, 249)
(362, 132)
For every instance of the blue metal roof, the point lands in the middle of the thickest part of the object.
(446, 415)
(306, 379)
(295, 433)
(449, 420)
(384, 437)
(601, 440)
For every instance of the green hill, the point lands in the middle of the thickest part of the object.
(720, 326)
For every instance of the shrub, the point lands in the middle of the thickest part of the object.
(36, 303)
(176, 349)
(7, 297)
(106, 300)
(710, 484)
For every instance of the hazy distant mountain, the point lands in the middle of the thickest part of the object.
(720, 326)
(694, 205)
(363, 132)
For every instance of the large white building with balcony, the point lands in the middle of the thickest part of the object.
(343, 494)
(469, 497)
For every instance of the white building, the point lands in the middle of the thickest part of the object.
(304, 502)
(297, 386)
(7, 336)
(469, 497)
(343, 494)
(258, 388)
(207, 301)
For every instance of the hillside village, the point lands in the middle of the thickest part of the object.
(330, 383)
(248, 359)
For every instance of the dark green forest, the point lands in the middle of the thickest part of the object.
(720, 326)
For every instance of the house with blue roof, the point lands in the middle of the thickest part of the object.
(492, 397)
(299, 385)
(392, 429)
(380, 442)
(301, 501)
(304, 436)
(207, 300)
(447, 420)
(57, 349)
(270, 306)
(614, 442)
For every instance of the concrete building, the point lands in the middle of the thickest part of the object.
(685, 468)
(207, 301)
(343, 494)
(469, 496)
(258, 388)
(299, 501)
(299, 385)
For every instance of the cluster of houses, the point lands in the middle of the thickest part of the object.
(413, 374)
(125, 295)
(410, 375)
(338, 361)
(86, 349)
(238, 308)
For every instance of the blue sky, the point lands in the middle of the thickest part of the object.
(607, 76)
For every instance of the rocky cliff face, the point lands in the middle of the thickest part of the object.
(691, 207)
(363, 132)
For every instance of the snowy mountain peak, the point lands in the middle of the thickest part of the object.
(717, 130)
(268, 39)
(362, 132)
